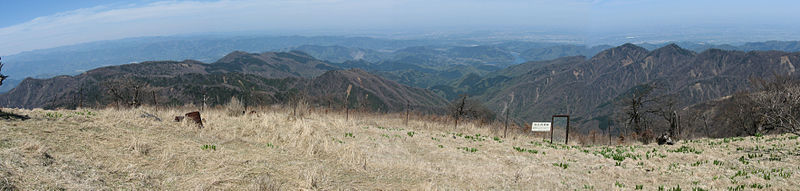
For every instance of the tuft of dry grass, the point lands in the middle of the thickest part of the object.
(235, 108)
(90, 149)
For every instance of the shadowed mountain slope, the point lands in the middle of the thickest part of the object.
(256, 79)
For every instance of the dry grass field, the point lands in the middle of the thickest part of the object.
(270, 150)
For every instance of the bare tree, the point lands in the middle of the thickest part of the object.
(777, 104)
(665, 107)
(706, 127)
(506, 111)
(635, 108)
(126, 91)
(738, 112)
(771, 105)
(467, 108)
(298, 99)
(2, 77)
(346, 98)
(5, 115)
(459, 110)
(408, 109)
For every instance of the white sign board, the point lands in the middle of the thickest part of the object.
(541, 126)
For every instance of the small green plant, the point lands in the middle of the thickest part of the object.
(737, 188)
(773, 157)
(743, 160)
(698, 163)
(498, 139)
(718, 163)
(588, 187)
(783, 174)
(410, 133)
(209, 147)
(349, 135)
(385, 135)
(678, 188)
(562, 165)
(619, 184)
(53, 115)
(270, 145)
(618, 154)
(757, 185)
(520, 149)
(337, 140)
(698, 189)
(468, 149)
(475, 138)
(85, 112)
(686, 149)
(639, 187)
(441, 146)
(739, 173)
(758, 135)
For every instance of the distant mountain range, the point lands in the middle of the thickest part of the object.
(256, 79)
(74, 59)
(427, 76)
(442, 55)
(588, 89)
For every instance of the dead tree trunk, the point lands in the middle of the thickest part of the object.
(205, 99)
(155, 101)
(346, 100)
(408, 108)
(505, 131)
(80, 98)
(460, 111)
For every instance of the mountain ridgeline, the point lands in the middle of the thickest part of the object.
(590, 89)
(430, 53)
(256, 79)
(587, 88)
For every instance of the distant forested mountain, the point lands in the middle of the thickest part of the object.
(588, 88)
(256, 79)
(442, 55)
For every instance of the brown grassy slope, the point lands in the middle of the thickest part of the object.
(113, 149)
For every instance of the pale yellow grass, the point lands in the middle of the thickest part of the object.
(117, 149)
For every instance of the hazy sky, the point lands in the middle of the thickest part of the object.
(36, 24)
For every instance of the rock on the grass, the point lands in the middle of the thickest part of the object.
(664, 139)
(195, 116)
(148, 115)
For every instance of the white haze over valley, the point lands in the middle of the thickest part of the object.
(583, 21)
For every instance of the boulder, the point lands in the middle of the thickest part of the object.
(664, 139)
(148, 115)
(195, 116)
